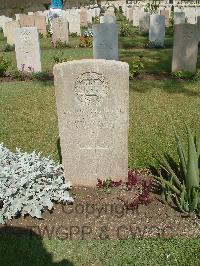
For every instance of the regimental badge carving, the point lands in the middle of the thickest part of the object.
(26, 36)
(91, 88)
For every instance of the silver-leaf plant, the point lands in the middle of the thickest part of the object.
(29, 184)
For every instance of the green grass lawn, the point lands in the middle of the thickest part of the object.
(29, 121)
(34, 251)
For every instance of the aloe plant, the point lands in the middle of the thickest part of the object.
(182, 187)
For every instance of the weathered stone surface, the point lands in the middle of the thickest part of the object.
(110, 11)
(105, 41)
(92, 111)
(34, 21)
(179, 18)
(3, 21)
(27, 21)
(60, 30)
(83, 17)
(89, 16)
(157, 30)
(40, 24)
(165, 13)
(74, 22)
(97, 11)
(130, 14)
(17, 16)
(107, 19)
(190, 14)
(10, 31)
(136, 18)
(144, 22)
(27, 49)
(185, 49)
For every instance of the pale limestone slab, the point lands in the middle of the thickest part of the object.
(10, 31)
(34, 21)
(166, 14)
(40, 24)
(27, 49)
(83, 17)
(185, 48)
(105, 41)
(136, 18)
(108, 19)
(60, 30)
(157, 30)
(27, 21)
(179, 18)
(144, 22)
(93, 119)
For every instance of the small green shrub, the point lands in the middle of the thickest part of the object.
(135, 67)
(60, 58)
(186, 75)
(41, 36)
(42, 76)
(155, 44)
(62, 45)
(96, 20)
(4, 64)
(151, 8)
(169, 31)
(73, 34)
(9, 48)
(125, 29)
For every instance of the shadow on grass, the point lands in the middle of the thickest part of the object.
(169, 86)
(59, 150)
(156, 61)
(20, 246)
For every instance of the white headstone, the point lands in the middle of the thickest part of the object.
(185, 49)
(105, 41)
(27, 49)
(107, 19)
(157, 30)
(93, 119)
(60, 28)
(144, 22)
(179, 18)
(10, 31)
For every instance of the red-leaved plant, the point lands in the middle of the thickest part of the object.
(134, 180)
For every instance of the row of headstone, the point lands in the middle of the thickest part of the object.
(106, 37)
(189, 14)
(34, 21)
(77, 18)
